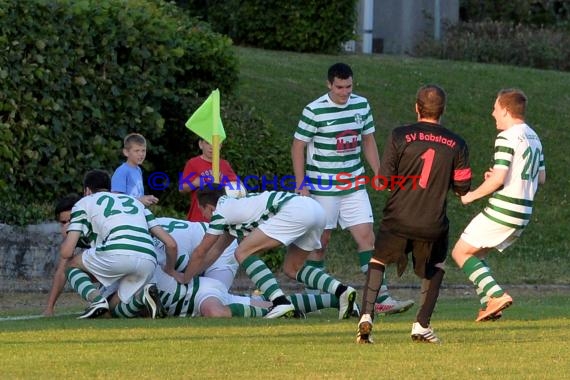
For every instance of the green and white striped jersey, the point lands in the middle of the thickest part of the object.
(187, 236)
(240, 216)
(178, 299)
(519, 150)
(115, 223)
(333, 134)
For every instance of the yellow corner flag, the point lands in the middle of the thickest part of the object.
(206, 122)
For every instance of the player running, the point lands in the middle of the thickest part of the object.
(512, 182)
(429, 159)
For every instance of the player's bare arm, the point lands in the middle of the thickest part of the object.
(170, 245)
(492, 183)
(203, 256)
(541, 177)
(148, 200)
(298, 157)
(370, 150)
(57, 286)
(68, 246)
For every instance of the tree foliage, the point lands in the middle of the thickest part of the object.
(77, 75)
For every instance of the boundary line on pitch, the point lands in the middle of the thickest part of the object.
(28, 317)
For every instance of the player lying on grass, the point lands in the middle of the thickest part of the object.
(208, 297)
(264, 221)
(214, 283)
(208, 294)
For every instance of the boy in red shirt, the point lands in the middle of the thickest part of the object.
(197, 171)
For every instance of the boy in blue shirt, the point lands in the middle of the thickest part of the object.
(127, 178)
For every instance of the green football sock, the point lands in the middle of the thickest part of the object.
(480, 276)
(261, 275)
(317, 264)
(312, 302)
(317, 278)
(480, 292)
(130, 309)
(363, 259)
(246, 311)
(82, 284)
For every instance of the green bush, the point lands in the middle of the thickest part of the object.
(501, 42)
(251, 148)
(297, 25)
(527, 12)
(77, 75)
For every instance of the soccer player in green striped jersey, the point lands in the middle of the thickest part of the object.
(512, 183)
(262, 221)
(335, 130)
(187, 236)
(208, 297)
(120, 228)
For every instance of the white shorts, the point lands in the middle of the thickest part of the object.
(172, 292)
(223, 269)
(346, 210)
(209, 288)
(130, 272)
(300, 221)
(482, 232)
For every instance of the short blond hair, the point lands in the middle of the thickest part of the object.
(133, 138)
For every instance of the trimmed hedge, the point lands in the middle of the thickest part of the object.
(77, 75)
(503, 43)
(539, 13)
(316, 26)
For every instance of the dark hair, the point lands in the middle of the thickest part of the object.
(431, 100)
(97, 180)
(339, 70)
(209, 194)
(66, 204)
(514, 101)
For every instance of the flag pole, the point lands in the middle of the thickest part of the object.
(207, 123)
(216, 138)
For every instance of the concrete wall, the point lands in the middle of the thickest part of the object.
(28, 256)
(400, 24)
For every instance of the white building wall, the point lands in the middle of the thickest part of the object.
(399, 25)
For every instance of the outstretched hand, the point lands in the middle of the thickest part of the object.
(148, 200)
(48, 311)
(467, 198)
